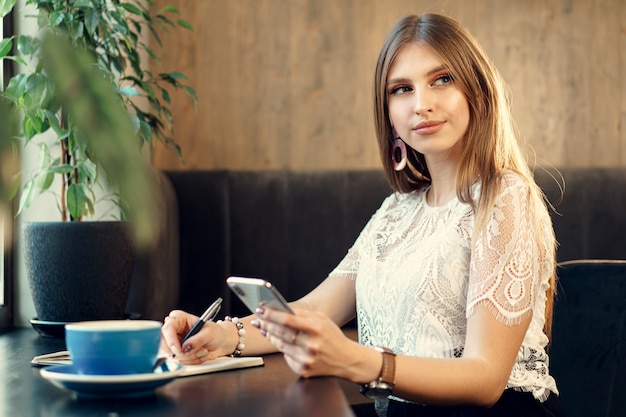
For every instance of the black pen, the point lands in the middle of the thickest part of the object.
(209, 314)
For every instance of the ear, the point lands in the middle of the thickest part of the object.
(395, 132)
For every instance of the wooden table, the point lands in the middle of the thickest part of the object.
(269, 391)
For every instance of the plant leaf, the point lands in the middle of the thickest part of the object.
(177, 75)
(76, 200)
(185, 24)
(92, 18)
(44, 181)
(166, 95)
(132, 9)
(26, 197)
(83, 4)
(27, 45)
(145, 132)
(5, 7)
(129, 91)
(9, 158)
(162, 18)
(170, 8)
(56, 18)
(16, 59)
(5, 47)
(192, 94)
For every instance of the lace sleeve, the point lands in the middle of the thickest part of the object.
(505, 269)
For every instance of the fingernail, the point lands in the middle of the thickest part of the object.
(256, 323)
(187, 348)
(263, 332)
(260, 310)
(175, 351)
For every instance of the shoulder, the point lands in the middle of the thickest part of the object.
(519, 197)
(512, 179)
(513, 187)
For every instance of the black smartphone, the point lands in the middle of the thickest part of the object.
(253, 291)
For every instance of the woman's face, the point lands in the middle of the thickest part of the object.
(427, 109)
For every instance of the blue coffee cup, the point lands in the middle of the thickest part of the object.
(113, 347)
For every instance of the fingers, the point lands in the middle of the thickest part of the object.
(280, 336)
(295, 337)
(172, 327)
(279, 328)
(175, 327)
(201, 347)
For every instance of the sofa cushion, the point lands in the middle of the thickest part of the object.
(588, 349)
(590, 217)
(293, 227)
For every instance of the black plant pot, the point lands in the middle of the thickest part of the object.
(79, 270)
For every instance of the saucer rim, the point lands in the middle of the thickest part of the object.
(54, 372)
(36, 320)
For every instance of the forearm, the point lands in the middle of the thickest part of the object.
(255, 342)
(449, 381)
(430, 381)
(334, 297)
(478, 377)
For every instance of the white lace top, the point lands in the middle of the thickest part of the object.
(418, 279)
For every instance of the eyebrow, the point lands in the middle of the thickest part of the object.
(433, 71)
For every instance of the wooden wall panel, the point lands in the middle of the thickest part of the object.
(287, 84)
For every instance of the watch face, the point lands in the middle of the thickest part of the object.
(376, 390)
(375, 393)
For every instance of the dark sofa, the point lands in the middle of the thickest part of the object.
(294, 227)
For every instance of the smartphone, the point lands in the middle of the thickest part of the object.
(253, 291)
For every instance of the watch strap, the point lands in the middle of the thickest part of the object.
(388, 370)
(382, 386)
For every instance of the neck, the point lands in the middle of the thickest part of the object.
(443, 182)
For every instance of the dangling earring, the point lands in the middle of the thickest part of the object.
(398, 152)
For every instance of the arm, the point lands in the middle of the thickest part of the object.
(334, 297)
(479, 377)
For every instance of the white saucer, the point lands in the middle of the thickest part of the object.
(135, 385)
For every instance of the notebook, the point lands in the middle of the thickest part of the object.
(223, 363)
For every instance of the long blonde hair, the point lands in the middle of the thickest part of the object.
(491, 141)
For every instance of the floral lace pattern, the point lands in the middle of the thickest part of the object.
(418, 278)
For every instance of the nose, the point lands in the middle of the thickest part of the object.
(423, 100)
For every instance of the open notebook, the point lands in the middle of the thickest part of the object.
(223, 363)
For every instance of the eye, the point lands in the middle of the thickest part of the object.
(398, 90)
(444, 79)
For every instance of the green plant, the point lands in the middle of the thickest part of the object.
(8, 154)
(88, 132)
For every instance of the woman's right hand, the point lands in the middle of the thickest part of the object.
(209, 343)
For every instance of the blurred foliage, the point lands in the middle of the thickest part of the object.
(9, 155)
(86, 76)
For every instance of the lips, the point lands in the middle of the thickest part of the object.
(428, 128)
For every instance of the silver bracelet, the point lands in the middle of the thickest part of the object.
(241, 332)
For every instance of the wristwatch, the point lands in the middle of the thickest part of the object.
(382, 387)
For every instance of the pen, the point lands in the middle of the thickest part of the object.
(209, 314)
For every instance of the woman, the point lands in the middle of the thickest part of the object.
(452, 279)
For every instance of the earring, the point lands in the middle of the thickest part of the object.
(398, 154)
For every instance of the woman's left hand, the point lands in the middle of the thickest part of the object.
(312, 343)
